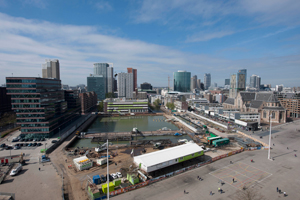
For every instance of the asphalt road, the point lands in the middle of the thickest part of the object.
(283, 169)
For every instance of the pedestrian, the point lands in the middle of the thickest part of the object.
(39, 169)
(273, 144)
(295, 155)
(219, 189)
(233, 180)
(197, 177)
(284, 194)
(287, 148)
(210, 193)
(183, 191)
(277, 189)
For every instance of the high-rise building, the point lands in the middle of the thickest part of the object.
(125, 85)
(227, 81)
(97, 84)
(207, 81)
(198, 84)
(255, 81)
(107, 71)
(50, 69)
(182, 81)
(5, 101)
(193, 82)
(237, 83)
(40, 105)
(134, 72)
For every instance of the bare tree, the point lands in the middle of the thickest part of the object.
(248, 194)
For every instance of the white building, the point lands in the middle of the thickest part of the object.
(125, 85)
(160, 159)
(83, 163)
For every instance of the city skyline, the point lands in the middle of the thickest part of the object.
(155, 38)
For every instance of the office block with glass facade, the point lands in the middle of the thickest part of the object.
(182, 81)
(39, 104)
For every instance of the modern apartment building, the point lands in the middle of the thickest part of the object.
(72, 99)
(39, 104)
(125, 106)
(125, 85)
(146, 86)
(182, 81)
(97, 84)
(88, 102)
(207, 81)
(50, 69)
(134, 72)
(193, 83)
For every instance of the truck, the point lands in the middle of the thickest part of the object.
(220, 142)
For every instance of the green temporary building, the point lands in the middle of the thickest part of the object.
(220, 142)
(111, 187)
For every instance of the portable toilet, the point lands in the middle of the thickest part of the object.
(111, 187)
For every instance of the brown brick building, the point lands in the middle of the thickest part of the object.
(291, 102)
(88, 102)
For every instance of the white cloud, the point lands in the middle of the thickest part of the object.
(203, 36)
(103, 6)
(26, 43)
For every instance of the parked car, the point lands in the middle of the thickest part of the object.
(42, 139)
(15, 140)
(17, 147)
(22, 144)
(34, 144)
(110, 178)
(35, 139)
(30, 144)
(30, 139)
(114, 176)
(54, 141)
(3, 145)
(103, 178)
(16, 170)
(22, 140)
(119, 174)
(39, 144)
(9, 147)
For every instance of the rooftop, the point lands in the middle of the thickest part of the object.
(172, 153)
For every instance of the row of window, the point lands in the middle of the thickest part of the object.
(25, 100)
(34, 125)
(53, 81)
(35, 130)
(29, 115)
(27, 106)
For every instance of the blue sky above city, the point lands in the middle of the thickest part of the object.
(155, 37)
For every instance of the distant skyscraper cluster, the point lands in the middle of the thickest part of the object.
(50, 69)
(237, 83)
(255, 81)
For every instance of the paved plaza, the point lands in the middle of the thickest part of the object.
(263, 175)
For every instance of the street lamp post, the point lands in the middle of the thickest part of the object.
(45, 147)
(269, 153)
(59, 132)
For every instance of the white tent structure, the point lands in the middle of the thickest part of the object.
(160, 159)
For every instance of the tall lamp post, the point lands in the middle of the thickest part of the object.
(45, 147)
(269, 153)
(59, 132)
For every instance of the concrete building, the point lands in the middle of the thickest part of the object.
(110, 79)
(134, 72)
(40, 105)
(291, 102)
(50, 69)
(279, 88)
(157, 160)
(146, 86)
(181, 106)
(199, 84)
(237, 83)
(97, 84)
(5, 101)
(182, 81)
(107, 71)
(207, 81)
(123, 106)
(125, 85)
(88, 102)
(193, 83)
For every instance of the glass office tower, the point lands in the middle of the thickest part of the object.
(182, 81)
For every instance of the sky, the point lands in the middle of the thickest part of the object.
(155, 37)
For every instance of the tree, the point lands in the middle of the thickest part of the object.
(157, 104)
(248, 194)
(100, 106)
(171, 106)
(110, 95)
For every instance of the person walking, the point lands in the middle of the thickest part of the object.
(210, 193)
(233, 180)
(183, 191)
(39, 169)
(277, 189)
(284, 194)
(219, 189)
(287, 148)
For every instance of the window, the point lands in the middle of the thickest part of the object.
(181, 158)
(273, 115)
(176, 160)
(265, 114)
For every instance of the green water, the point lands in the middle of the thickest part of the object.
(126, 124)
(87, 142)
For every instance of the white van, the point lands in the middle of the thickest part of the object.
(16, 170)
